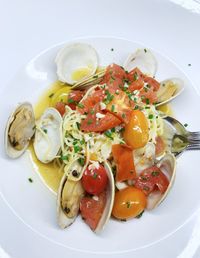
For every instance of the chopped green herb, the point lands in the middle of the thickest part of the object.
(70, 101)
(64, 157)
(34, 127)
(145, 50)
(95, 76)
(155, 173)
(80, 105)
(122, 130)
(123, 115)
(140, 215)
(185, 125)
(146, 188)
(136, 107)
(135, 76)
(51, 95)
(92, 111)
(30, 180)
(81, 161)
(108, 98)
(45, 130)
(112, 129)
(78, 125)
(189, 64)
(89, 122)
(128, 205)
(95, 175)
(77, 148)
(108, 134)
(124, 220)
(150, 116)
(82, 141)
(147, 107)
(113, 108)
(112, 49)
(143, 178)
(147, 101)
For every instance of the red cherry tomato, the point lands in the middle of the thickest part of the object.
(95, 180)
(60, 106)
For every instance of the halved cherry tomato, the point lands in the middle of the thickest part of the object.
(95, 180)
(129, 203)
(136, 133)
(91, 124)
(123, 157)
(120, 106)
(160, 145)
(74, 97)
(150, 179)
(91, 210)
(60, 106)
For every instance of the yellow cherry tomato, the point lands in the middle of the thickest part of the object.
(60, 95)
(129, 203)
(136, 133)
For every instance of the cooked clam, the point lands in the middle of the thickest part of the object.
(76, 62)
(68, 201)
(169, 89)
(19, 130)
(48, 133)
(168, 166)
(144, 60)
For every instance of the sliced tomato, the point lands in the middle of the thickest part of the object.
(92, 124)
(152, 83)
(114, 71)
(91, 210)
(89, 103)
(74, 97)
(160, 145)
(150, 179)
(60, 106)
(123, 157)
(121, 106)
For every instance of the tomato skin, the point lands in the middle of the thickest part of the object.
(136, 133)
(151, 178)
(136, 79)
(60, 106)
(94, 181)
(123, 157)
(129, 203)
(91, 210)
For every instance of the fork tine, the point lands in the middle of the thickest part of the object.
(193, 147)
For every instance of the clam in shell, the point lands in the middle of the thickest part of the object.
(169, 89)
(48, 133)
(144, 60)
(168, 166)
(76, 62)
(19, 130)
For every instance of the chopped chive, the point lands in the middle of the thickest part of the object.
(95, 76)
(150, 116)
(155, 173)
(147, 101)
(145, 50)
(89, 122)
(51, 95)
(92, 111)
(81, 161)
(78, 125)
(185, 125)
(113, 108)
(30, 180)
(189, 64)
(64, 157)
(70, 101)
(146, 188)
(123, 115)
(135, 76)
(94, 175)
(112, 49)
(112, 129)
(45, 130)
(77, 148)
(108, 134)
(80, 105)
(128, 205)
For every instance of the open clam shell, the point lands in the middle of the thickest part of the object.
(19, 130)
(169, 89)
(48, 133)
(168, 166)
(76, 62)
(144, 60)
(110, 195)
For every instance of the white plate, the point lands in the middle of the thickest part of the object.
(35, 204)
